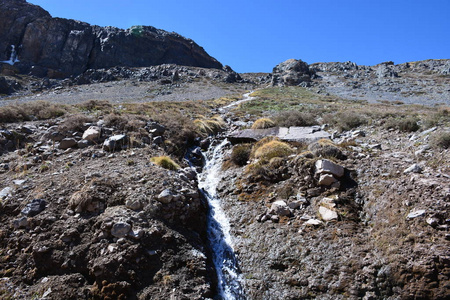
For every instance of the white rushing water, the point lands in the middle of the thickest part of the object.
(225, 261)
(13, 58)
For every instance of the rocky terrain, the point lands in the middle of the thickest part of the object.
(334, 182)
(59, 48)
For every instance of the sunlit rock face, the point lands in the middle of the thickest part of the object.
(60, 47)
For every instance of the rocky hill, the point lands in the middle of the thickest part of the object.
(58, 48)
(328, 181)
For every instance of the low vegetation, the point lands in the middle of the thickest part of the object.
(263, 123)
(165, 162)
(240, 154)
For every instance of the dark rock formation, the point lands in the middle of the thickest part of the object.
(58, 47)
(292, 72)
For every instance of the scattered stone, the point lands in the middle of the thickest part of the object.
(327, 214)
(415, 214)
(120, 229)
(92, 133)
(158, 140)
(327, 179)
(34, 208)
(20, 223)
(5, 193)
(83, 144)
(433, 222)
(115, 142)
(133, 204)
(415, 168)
(155, 128)
(166, 196)
(67, 143)
(313, 222)
(280, 208)
(136, 234)
(325, 166)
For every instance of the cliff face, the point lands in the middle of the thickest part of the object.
(69, 47)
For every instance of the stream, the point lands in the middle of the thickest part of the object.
(224, 259)
(229, 277)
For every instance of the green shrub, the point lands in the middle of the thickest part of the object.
(295, 118)
(241, 154)
(441, 140)
(165, 162)
(263, 123)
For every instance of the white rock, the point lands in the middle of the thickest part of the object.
(415, 214)
(313, 222)
(280, 208)
(325, 166)
(327, 214)
(6, 192)
(327, 179)
(92, 133)
(415, 168)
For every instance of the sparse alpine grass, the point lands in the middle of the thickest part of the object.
(295, 118)
(240, 154)
(263, 123)
(165, 162)
(271, 149)
(441, 140)
(210, 126)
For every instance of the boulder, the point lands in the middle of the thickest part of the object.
(116, 142)
(34, 208)
(327, 179)
(92, 133)
(280, 208)
(325, 166)
(291, 72)
(155, 128)
(327, 214)
(67, 143)
(166, 196)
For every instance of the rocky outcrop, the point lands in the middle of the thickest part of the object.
(292, 72)
(56, 47)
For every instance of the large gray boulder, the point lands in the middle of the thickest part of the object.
(291, 72)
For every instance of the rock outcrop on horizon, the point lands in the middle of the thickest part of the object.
(58, 48)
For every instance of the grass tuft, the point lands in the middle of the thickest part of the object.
(165, 162)
(263, 123)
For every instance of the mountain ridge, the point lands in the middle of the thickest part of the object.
(58, 48)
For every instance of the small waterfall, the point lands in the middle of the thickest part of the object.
(225, 261)
(13, 58)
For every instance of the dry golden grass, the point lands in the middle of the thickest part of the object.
(263, 123)
(165, 162)
(273, 149)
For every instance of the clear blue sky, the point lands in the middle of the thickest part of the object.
(254, 36)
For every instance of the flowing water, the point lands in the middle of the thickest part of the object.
(225, 261)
